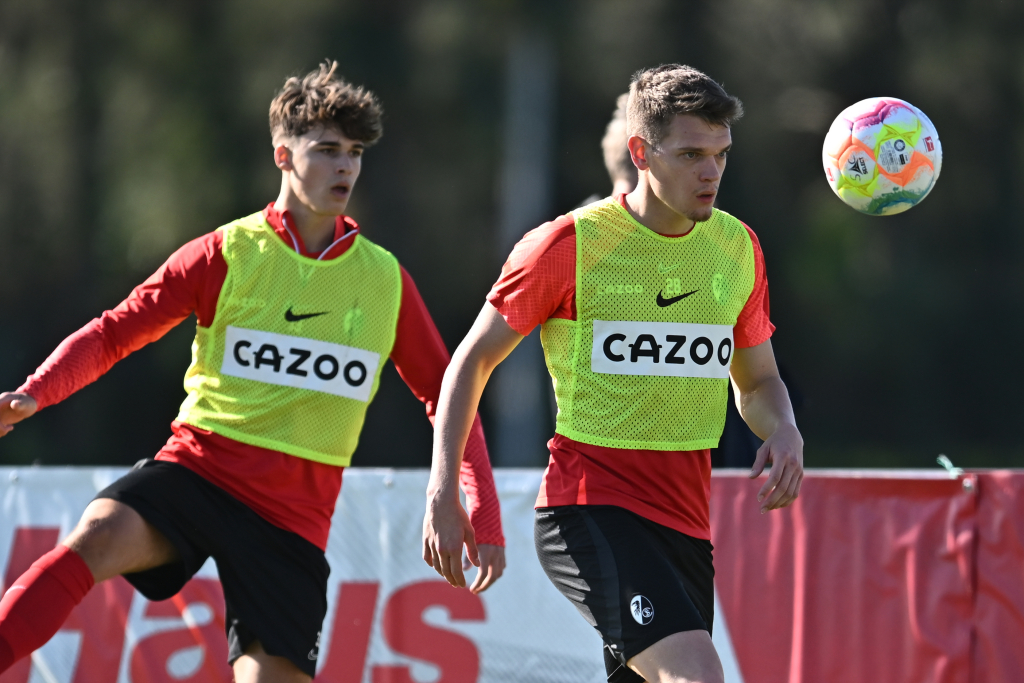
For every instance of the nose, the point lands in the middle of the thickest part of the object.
(347, 165)
(709, 170)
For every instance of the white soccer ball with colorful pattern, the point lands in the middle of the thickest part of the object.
(882, 156)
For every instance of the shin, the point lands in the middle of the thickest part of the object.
(36, 605)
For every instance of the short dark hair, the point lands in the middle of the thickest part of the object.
(320, 98)
(658, 94)
(613, 144)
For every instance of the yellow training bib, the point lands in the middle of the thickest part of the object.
(646, 363)
(294, 355)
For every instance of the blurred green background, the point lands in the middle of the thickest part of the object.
(128, 127)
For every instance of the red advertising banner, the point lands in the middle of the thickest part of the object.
(888, 577)
(999, 570)
(862, 579)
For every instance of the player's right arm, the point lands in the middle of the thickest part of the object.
(446, 527)
(188, 281)
(14, 408)
(537, 283)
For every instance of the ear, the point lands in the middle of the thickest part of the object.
(638, 150)
(283, 158)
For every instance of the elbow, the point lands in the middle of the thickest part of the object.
(470, 364)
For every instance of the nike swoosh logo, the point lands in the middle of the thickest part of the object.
(663, 302)
(296, 317)
(662, 269)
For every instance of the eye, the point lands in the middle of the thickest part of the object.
(690, 155)
(724, 154)
(356, 153)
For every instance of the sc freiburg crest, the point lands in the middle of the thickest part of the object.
(641, 609)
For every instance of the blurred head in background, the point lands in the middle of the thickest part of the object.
(616, 152)
(678, 120)
(320, 126)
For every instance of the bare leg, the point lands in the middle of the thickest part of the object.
(256, 666)
(110, 539)
(687, 657)
(114, 539)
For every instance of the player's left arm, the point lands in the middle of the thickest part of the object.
(764, 403)
(762, 398)
(420, 356)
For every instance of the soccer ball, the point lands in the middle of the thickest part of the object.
(882, 156)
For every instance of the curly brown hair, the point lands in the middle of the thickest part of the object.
(320, 98)
(658, 94)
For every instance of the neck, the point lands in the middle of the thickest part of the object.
(645, 206)
(622, 186)
(316, 230)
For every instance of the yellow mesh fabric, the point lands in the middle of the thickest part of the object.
(356, 299)
(621, 268)
(559, 338)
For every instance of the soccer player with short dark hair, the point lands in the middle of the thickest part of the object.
(297, 313)
(649, 303)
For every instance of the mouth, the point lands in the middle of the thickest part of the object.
(707, 196)
(340, 190)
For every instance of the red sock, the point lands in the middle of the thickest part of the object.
(36, 605)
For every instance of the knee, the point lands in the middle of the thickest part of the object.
(95, 529)
(114, 539)
(98, 532)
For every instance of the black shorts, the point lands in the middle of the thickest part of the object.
(633, 580)
(275, 581)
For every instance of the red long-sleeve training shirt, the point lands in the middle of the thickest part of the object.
(290, 492)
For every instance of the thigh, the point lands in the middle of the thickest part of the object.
(275, 592)
(256, 666)
(687, 656)
(184, 508)
(618, 575)
(113, 539)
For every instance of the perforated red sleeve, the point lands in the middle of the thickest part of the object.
(538, 281)
(190, 280)
(753, 325)
(420, 356)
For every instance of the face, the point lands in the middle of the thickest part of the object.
(321, 167)
(686, 167)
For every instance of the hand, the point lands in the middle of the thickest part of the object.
(446, 528)
(784, 449)
(13, 409)
(492, 566)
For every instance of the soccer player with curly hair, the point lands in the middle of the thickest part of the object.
(297, 313)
